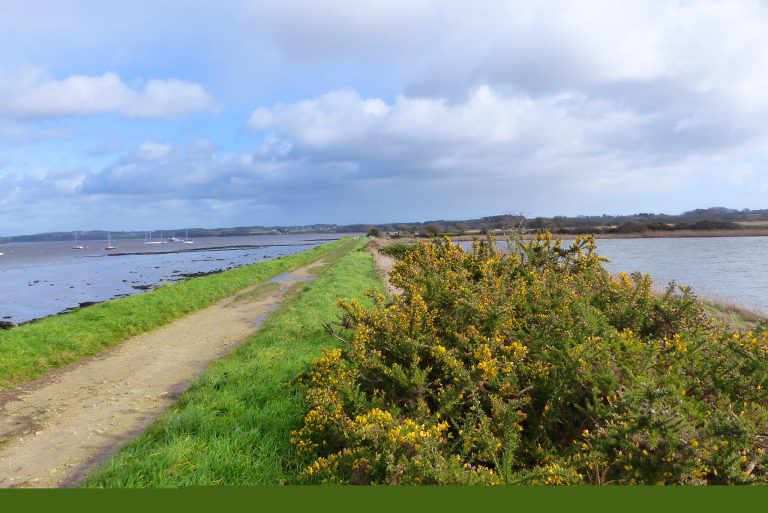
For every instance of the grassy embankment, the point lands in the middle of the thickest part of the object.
(734, 317)
(28, 351)
(233, 426)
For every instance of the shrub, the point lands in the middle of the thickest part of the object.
(374, 232)
(707, 224)
(537, 367)
(397, 250)
(631, 227)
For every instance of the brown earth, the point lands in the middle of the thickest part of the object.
(55, 430)
(383, 263)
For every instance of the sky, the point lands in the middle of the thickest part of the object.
(164, 113)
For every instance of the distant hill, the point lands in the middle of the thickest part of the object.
(179, 232)
(714, 218)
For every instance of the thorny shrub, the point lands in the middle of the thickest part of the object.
(533, 366)
(396, 249)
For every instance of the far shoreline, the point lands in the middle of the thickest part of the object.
(650, 234)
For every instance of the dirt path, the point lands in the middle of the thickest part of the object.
(55, 430)
(383, 264)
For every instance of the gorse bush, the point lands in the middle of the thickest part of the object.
(535, 366)
(397, 249)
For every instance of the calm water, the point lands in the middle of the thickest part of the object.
(44, 278)
(40, 279)
(730, 268)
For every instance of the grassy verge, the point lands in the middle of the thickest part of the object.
(233, 426)
(734, 317)
(28, 351)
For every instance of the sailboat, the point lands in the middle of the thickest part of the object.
(186, 238)
(109, 247)
(148, 239)
(77, 246)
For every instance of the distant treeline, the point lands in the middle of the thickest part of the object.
(716, 218)
(637, 227)
(181, 232)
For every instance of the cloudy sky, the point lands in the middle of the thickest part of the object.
(165, 113)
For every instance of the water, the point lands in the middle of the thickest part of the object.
(729, 268)
(40, 279)
(45, 278)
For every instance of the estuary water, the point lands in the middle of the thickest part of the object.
(731, 268)
(45, 278)
(39, 279)
(734, 269)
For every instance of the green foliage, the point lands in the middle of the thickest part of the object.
(537, 367)
(374, 232)
(232, 427)
(704, 224)
(27, 351)
(397, 250)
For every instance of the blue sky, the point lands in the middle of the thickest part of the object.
(144, 115)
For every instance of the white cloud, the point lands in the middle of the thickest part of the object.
(566, 148)
(559, 106)
(31, 93)
(154, 150)
(711, 46)
(488, 132)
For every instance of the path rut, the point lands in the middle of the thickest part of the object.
(55, 430)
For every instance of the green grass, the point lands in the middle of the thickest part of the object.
(733, 317)
(28, 351)
(233, 426)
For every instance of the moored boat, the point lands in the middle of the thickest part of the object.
(77, 245)
(109, 246)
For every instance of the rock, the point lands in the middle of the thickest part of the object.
(6, 325)
(201, 273)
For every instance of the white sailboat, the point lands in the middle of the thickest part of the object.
(77, 245)
(148, 239)
(109, 247)
(186, 238)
